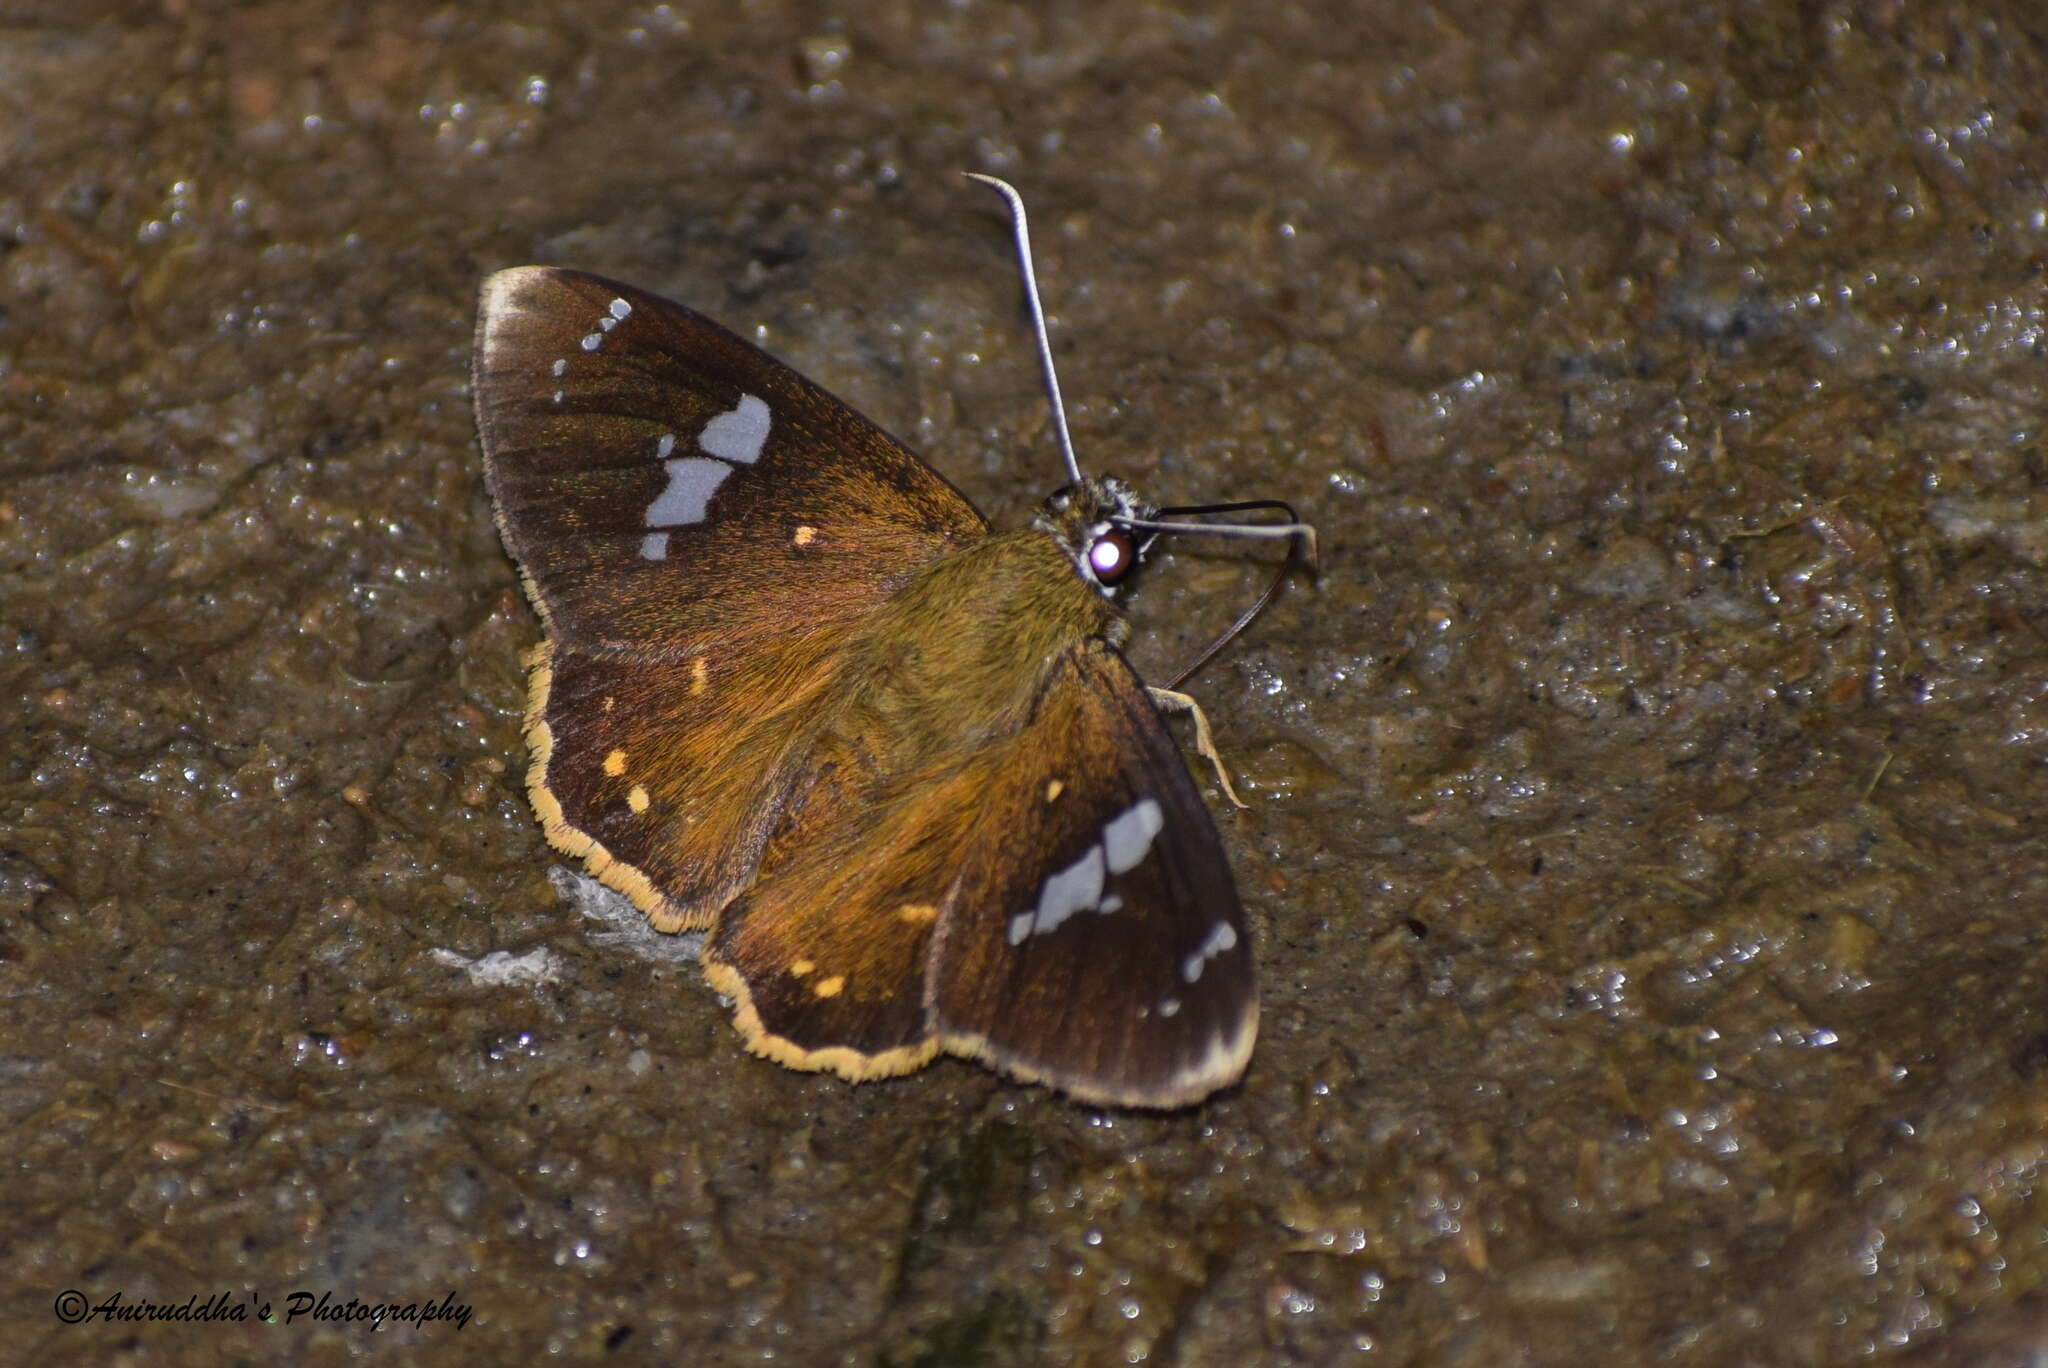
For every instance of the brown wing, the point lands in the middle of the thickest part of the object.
(1094, 939)
(702, 530)
(825, 954)
(666, 776)
(1056, 903)
(668, 488)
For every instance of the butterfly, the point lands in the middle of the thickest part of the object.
(796, 691)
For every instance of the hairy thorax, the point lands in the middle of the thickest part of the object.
(962, 652)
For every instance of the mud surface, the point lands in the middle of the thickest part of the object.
(1645, 844)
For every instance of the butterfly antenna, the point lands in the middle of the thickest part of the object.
(1052, 379)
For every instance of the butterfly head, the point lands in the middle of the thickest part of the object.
(1089, 521)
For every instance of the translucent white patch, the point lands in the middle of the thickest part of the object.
(666, 446)
(1220, 938)
(738, 435)
(654, 546)
(620, 308)
(1169, 1007)
(692, 481)
(561, 368)
(1126, 839)
(1077, 888)
(591, 341)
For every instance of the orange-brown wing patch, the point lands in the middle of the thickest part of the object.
(825, 955)
(666, 776)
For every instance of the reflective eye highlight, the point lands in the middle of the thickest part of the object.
(1111, 555)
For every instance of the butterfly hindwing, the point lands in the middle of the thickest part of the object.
(825, 955)
(702, 530)
(667, 775)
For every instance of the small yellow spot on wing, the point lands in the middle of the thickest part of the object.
(608, 702)
(615, 763)
(801, 967)
(805, 536)
(918, 914)
(637, 798)
(1054, 790)
(830, 987)
(700, 673)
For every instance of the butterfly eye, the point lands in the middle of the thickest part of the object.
(1111, 555)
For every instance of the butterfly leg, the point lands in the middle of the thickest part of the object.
(1166, 700)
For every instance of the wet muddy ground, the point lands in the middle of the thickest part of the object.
(1644, 848)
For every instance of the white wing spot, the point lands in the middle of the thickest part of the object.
(1169, 1007)
(620, 308)
(738, 435)
(1220, 938)
(692, 481)
(1077, 888)
(1126, 839)
(592, 340)
(561, 367)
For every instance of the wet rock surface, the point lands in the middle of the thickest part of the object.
(1644, 845)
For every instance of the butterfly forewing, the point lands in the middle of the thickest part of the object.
(1093, 938)
(668, 488)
